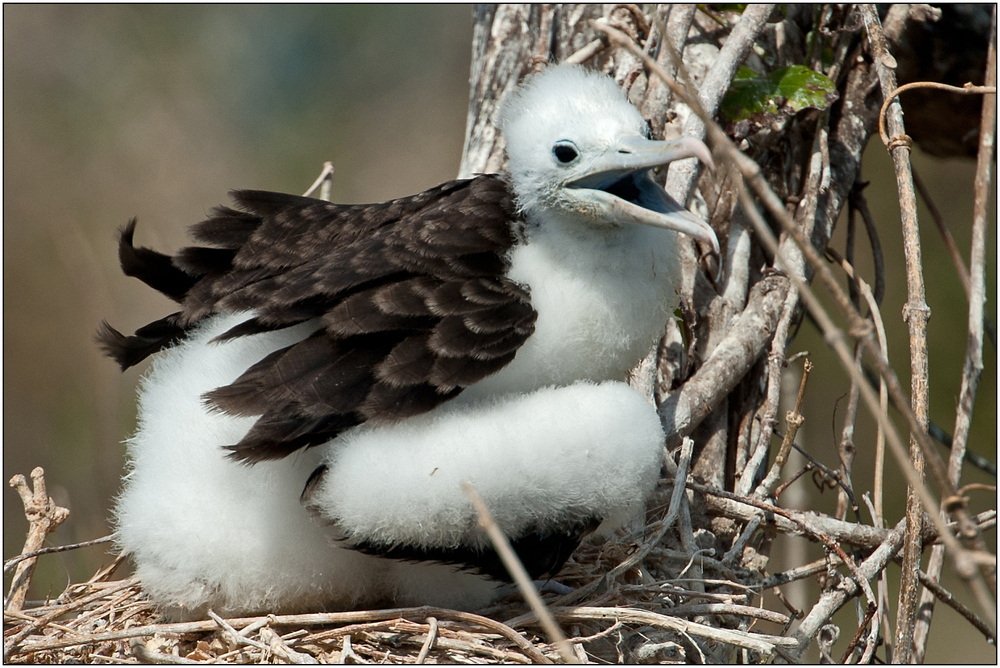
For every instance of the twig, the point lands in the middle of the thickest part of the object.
(872, 642)
(683, 463)
(233, 636)
(765, 644)
(521, 577)
(43, 517)
(831, 476)
(869, 613)
(147, 655)
(973, 365)
(947, 598)
(846, 448)
(729, 609)
(860, 202)
(13, 561)
(775, 363)
(799, 572)
(278, 648)
(432, 634)
(832, 599)
(323, 182)
(347, 652)
(882, 617)
(597, 636)
(875, 315)
(15, 614)
(915, 313)
(736, 551)
(967, 89)
(586, 52)
(794, 420)
(791, 479)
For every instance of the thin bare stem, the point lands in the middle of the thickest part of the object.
(967, 89)
(432, 634)
(13, 561)
(683, 464)
(947, 598)
(520, 575)
(322, 182)
(973, 366)
(586, 52)
(916, 314)
(765, 644)
(794, 419)
(869, 613)
(775, 363)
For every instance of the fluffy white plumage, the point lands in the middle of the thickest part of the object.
(547, 441)
(207, 532)
(562, 104)
(544, 461)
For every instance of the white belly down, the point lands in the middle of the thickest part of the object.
(207, 532)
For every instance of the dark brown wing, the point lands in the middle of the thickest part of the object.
(411, 296)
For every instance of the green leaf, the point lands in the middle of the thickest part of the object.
(793, 88)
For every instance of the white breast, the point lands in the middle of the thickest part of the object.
(603, 297)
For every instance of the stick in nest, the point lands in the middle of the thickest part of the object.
(43, 517)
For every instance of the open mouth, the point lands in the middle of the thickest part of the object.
(624, 184)
(618, 187)
(631, 196)
(626, 189)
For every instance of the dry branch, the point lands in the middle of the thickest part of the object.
(43, 517)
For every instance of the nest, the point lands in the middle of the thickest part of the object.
(661, 592)
(651, 595)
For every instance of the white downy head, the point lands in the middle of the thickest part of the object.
(577, 147)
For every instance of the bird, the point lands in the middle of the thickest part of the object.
(334, 373)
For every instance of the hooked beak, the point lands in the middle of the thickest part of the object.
(619, 188)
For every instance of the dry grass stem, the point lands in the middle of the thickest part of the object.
(517, 571)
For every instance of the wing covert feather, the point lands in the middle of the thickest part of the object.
(410, 294)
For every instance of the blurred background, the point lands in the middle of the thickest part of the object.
(157, 112)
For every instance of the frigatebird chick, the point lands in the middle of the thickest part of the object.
(478, 331)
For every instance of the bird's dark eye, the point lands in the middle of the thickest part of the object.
(565, 152)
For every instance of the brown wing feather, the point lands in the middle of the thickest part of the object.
(411, 297)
